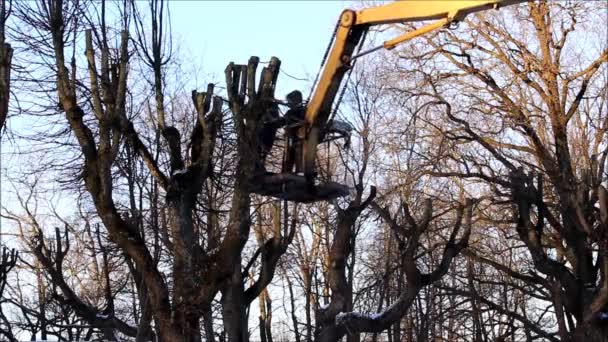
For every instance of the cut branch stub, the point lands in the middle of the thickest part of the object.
(252, 67)
(173, 137)
(6, 54)
(208, 125)
(268, 79)
(207, 100)
(95, 90)
(233, 100)
(202, 103)
(232, 74)
(240, 85)
(357, 322)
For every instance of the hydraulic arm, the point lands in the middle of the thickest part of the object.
(351, 27)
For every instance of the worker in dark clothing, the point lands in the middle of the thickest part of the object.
(296, 111)
(293, 119)
(271, 122)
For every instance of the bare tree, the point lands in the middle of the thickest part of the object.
(527, 127)
(179, 299)
(486, 143)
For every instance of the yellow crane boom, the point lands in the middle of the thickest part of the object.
(352, 25)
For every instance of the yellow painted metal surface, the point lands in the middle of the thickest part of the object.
(416, 10)
(400, 11)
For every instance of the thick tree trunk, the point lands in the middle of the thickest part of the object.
(233, 307)
(6, 54)
(208, 323)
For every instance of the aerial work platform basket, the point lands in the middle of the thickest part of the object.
(293, 186)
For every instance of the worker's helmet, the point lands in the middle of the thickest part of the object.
(294, 98)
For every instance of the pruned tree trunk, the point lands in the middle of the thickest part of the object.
(6, 56)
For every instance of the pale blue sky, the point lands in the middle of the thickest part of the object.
(297, 32)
